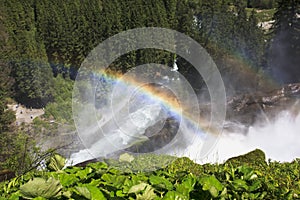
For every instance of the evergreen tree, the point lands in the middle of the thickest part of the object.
(284, 49)
(6, 116)
(27, 59)
(255, 42)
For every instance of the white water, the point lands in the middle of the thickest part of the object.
(120, 136)
(280, 140)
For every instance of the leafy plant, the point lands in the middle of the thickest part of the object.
(39, 187)
(100, 180)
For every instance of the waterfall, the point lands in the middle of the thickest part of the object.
(120, 135)
(279, 139)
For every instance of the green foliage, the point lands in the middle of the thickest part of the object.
(211, 184)
(225, 29)
(24, 52)
(145, 162)
(39, 187)
(99, 181)
(61, 107)
(19, 152)
(253, 158)
(283, 52)
(261, 4)
(62, 33)
(56, 162)
(15, 151)
(7, 117)
(262, 15)
(33, 82)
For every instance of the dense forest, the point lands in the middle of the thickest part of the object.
(43, 44)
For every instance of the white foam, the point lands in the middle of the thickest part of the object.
(120, 136)
(280, 140)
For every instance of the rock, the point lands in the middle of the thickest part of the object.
(253, 158)
(159, 139)
(261, 107)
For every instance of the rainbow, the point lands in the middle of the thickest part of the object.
(165, 98)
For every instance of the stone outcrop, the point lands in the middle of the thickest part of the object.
(261, 107)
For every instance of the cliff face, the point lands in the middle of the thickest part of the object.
(261, 107)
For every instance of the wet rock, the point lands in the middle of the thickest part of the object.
(261, 107)
(159, 139)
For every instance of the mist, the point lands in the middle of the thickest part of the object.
(279, 139)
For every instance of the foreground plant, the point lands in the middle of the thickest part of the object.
(182, 179)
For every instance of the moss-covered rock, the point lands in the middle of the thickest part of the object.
(254, 158)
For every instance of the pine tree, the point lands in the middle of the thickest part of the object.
(27, 59)
(255, 42)
(284, 49)
(6, 83)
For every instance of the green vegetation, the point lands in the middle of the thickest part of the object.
(261, 4)
(262, 15)
(181, 179)
(24, 53)
(40, 36)
(63, 33)
(61, 108)
(283, 52)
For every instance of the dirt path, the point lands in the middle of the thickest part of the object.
(25, 115)
(266, 25)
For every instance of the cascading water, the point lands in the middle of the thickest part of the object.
(122, 135)
(279, 139)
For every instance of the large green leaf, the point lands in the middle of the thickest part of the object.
(113, 180)
(14, 196)
(39, 187)
(98, 165)
(161, 182)
(56, 163)
(67, 179)
(212, 184)
(148, 194)
(133, 180)
(39, 198)
(187, 185)
(90, 192)
(72, 170)
(95, 193)
(137, 188)
(240, 184)
(83, 174)
(248, 173)
(83, 191)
